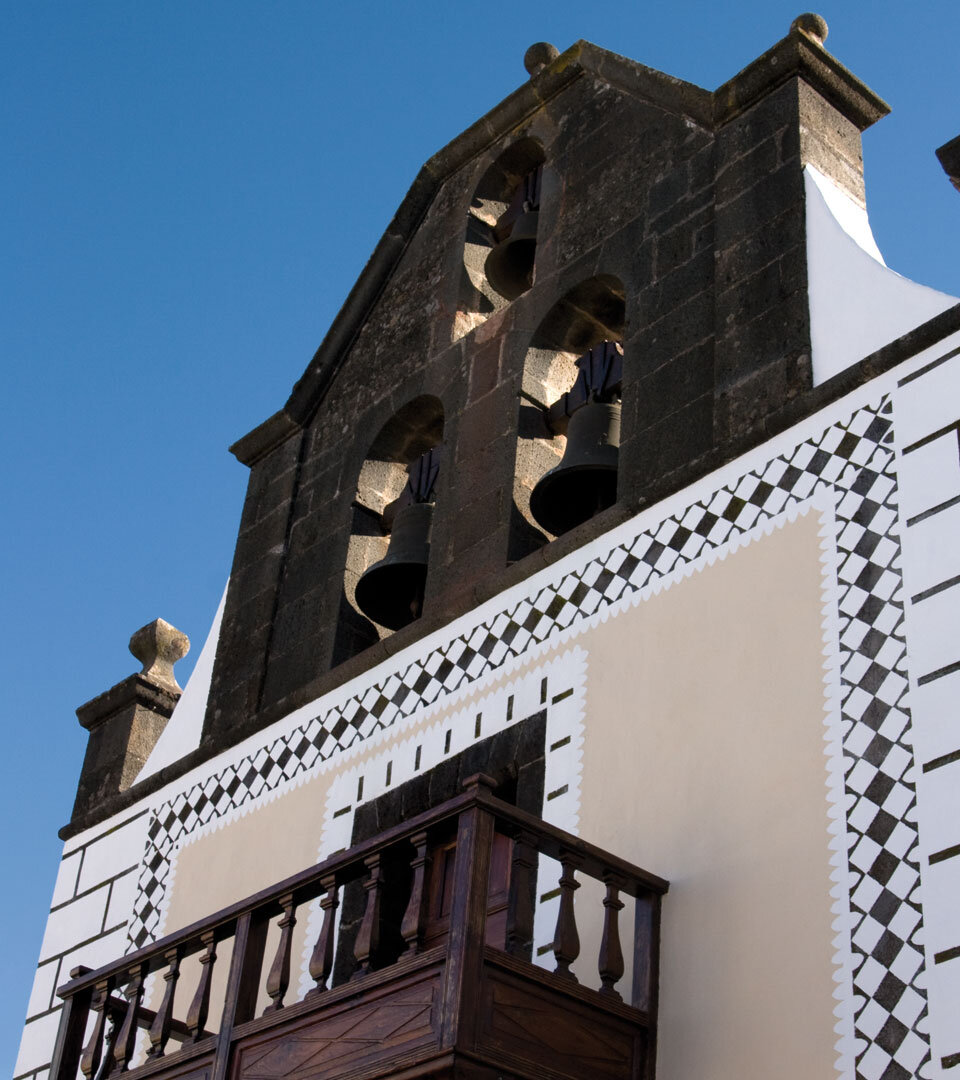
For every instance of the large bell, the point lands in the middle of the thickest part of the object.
(390, 592)
(585, 481)
(509, 266)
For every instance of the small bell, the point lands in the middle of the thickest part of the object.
(509, 266)
(390, 592)
(585, 481)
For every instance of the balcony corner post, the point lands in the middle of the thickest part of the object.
(240, 1000)
(646, 960)
(73, 1023)
(460, 1010)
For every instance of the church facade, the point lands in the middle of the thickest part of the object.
(615, 517)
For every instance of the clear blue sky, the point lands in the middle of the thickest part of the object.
(189, 192)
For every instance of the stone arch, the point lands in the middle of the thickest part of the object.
(477, 299)
(592, 312)
(409, 433)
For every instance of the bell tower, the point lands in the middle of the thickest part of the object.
(598, 312)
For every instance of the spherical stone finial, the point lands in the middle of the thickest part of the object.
(813, 25)
(158, 646)
(538, 56)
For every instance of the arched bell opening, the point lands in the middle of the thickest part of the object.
(569, 406)
(389, 544)
(500, 237)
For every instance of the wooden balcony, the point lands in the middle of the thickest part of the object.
(439, 982)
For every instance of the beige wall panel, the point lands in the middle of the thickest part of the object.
(253, 852)
(704, 762)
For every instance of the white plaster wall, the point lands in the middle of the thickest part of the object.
(92, 901)
(927, 419)
(857, 304)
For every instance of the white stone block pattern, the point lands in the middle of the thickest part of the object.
(74, 922)
(35, 1046)
(936, 718)
(112, 852)
(929, 475)
(66, 887)
(934, 628)
(929, 403)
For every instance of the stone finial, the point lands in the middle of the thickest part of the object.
(811, 25)
(538, 56)
(158, 646)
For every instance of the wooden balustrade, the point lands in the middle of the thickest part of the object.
(114, 993)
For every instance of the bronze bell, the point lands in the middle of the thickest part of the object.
(509, 266)
(585, 481)
(390, 592)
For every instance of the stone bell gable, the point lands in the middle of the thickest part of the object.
(671, 219)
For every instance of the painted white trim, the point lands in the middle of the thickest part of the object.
(857, 304)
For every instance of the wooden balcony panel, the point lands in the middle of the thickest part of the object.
(385, 1020)
(195, 1063)
(541, 1027)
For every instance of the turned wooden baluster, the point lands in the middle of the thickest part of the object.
(566, 940)
(521, 903)
(109, 1041)
(159, 1033)
(278, 979)
(413, 916)
(126, 1039)
(200, 1006)
(321, 960)
(368, 936)
(611, 954)
(92, 1052)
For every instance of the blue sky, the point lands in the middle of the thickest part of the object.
(189, 192)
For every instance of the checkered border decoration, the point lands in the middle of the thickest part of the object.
(855, 460)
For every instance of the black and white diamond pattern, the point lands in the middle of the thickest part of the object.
(855, 460)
